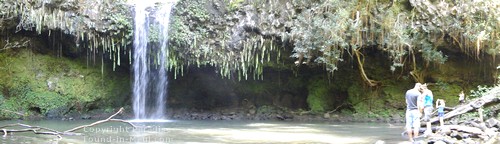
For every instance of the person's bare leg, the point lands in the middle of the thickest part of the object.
(415, 132)
(441, 122)
(410, 135)
(429, 130)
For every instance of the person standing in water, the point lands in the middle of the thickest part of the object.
(440, 104)
(412, 111)
(427, 98)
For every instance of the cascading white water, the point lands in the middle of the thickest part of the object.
(163, 18)
(140, 64)
(149, 61)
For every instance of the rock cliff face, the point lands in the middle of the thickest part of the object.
(74, 25)
(44, 47)
(38, 83)
(223, 54)
(244, 39)
(74, 17)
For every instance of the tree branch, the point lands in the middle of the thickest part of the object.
(102, 121)
(48, 131)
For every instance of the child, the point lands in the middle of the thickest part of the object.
(440, 104)
(461, 97)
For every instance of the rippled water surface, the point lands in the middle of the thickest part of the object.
(214, 132)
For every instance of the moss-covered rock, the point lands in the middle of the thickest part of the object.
(320, 97)
(47, 85)
(386, 102)
(447, 91)
(356, 97)
(395, 96)
(45, 101)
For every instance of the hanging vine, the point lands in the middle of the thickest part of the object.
(105, 26)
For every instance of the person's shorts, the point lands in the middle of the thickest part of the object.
(440, 114)
(428, 113)
(412, 119)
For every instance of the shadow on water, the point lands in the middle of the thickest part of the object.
(171, 131)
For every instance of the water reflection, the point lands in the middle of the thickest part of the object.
(215, 132)
(149, 120)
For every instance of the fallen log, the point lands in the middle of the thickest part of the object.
(471, 130)
(47, 131)
(490, 97)
(481, 125)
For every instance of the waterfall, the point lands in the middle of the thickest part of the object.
(150, 60)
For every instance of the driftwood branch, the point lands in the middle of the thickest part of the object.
(334, 110)
(102, 121)
(47, 131)
(29, 128)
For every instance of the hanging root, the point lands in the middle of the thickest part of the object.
(362, 70)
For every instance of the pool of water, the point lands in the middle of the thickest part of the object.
(213, 132)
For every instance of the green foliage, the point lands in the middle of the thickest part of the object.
(316, 102)
(394, 95)
(45, 100)
(201, 35)
(432, 55)
(489, 112)
(470, 22)
(356, 97)
(184, 36)
(481, 90)
(122, 25)
(369, 103)
(324, 32)
(319, 97)
(447, 91)
(316, 34)
(233, 4)
(2, 102)
(105, 27)
(11, 105)
(47, 83)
